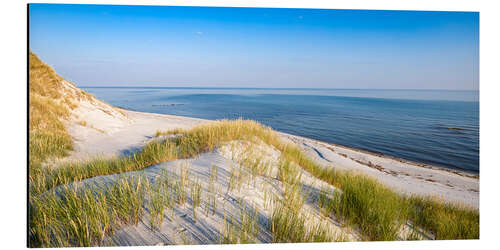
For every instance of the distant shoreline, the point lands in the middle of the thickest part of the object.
(260, 88)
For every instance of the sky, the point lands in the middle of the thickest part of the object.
(112, 45)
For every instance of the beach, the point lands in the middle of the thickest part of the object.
(130, 132)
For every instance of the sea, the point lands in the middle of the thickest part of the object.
(436, 127)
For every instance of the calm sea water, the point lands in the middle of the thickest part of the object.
(428, 126)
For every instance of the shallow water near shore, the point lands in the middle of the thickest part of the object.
(437, 127)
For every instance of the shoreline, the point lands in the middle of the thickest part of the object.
(130, 135)
(461, 172)
(458, 171)
(403, 176)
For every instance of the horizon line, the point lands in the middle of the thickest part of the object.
(284, 88)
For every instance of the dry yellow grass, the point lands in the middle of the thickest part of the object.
(44, 80)
(48, 108)
(82, 123)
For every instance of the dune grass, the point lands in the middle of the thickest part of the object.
(195, 197)
(447, 221)
(229, 231)
(48, 137)
(248, 223)
(169, 132)
(49, 107)
(76, 216)
(376, 210)
(181, 184)
(211, 202)
(158, 205)
(47, 134)
(291, 227)
(242, 231)
(328, 201)
(288, 223)
(127, 197)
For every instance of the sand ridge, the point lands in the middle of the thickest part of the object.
(121, 132)
(258, 194)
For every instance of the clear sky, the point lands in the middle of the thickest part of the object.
(106, 45)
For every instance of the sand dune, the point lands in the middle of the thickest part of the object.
(254, 194)
(107, 135)
(110, 131)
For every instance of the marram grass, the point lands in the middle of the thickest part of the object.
(47, 134)
(75, 216)
(363, 203)
(49, 108)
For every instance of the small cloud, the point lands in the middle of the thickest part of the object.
(199, 33)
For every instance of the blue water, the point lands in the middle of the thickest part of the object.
(436, 127)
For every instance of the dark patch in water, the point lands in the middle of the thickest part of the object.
(167, 105)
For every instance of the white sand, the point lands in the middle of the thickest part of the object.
(117, 133)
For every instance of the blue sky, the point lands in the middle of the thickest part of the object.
(106, 45)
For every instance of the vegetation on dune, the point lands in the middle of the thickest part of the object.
(77, 216)
(363, 203)
(49, 107)
(447, 221)
(47, 134)
(288, 223)
(377, 210)
(170, 132)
